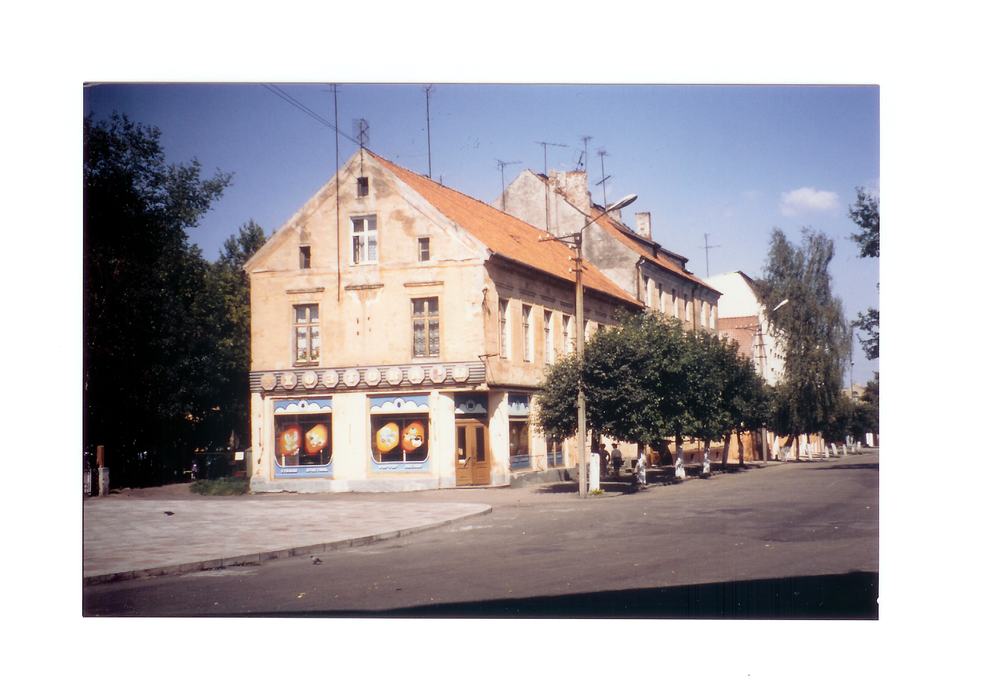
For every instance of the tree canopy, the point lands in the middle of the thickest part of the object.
(150, 314)
(865, 214)
(810, 329)
(649, 380)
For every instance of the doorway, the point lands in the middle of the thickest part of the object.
(472, 463)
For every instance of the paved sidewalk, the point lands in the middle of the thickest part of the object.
(125, 539)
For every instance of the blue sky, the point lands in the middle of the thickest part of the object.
(732, 162)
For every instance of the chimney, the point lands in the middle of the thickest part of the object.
(573, 184)
(643, 227)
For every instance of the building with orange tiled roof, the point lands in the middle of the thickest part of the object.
(398, 332)
(560, 203)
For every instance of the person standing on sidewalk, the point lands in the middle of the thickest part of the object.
(640, 469)
(616, 459)
(605, 458)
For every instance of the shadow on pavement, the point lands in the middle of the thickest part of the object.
(851, 595)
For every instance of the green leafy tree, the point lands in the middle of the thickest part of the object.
(556, 413)
(865, 214)
(228, 423)
(146, 342)
(811, 331)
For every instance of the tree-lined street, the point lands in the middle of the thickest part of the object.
(793, 540)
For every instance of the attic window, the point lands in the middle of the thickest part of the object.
(305, 257)
(363, 186)
(423, 249)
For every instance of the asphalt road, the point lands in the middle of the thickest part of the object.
(794, 541)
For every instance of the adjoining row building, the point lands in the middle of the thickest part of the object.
(400, 329)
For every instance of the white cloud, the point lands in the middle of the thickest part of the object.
(808, 200)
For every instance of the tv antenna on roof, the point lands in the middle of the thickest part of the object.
(545, 153)
(707, 246)
(503, 185)
(604, 179)
(584, 158)
(362, 126)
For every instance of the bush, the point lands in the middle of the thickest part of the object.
(229, 486)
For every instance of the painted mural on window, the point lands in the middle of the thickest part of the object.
(303, 444)
(399, 434)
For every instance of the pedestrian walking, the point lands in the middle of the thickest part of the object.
(605, 458)
(640, 470)
(194, 470)
(616, 459)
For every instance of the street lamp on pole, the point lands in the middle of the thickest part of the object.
(576, 240)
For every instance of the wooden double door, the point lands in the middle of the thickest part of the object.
(472, 461)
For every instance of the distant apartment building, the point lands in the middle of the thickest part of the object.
(561, 204)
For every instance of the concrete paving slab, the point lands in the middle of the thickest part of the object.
(124, 540)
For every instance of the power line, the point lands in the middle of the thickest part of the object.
(282, 95)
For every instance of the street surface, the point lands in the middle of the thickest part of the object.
(798, 540)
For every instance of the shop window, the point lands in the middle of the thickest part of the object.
(307, 334)
(364, 241)
(305, 257)
(399, 438)
(302, 440)
(519, 439)
(553, 453)
(504, 336)
(426, 327)
(423, 249)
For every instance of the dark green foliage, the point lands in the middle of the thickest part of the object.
(148, 338)
(649, 380)
(865, 213)
(556, 415)
(227, 486)
(810, 329)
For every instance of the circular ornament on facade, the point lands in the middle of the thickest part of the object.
(268, 381)
(373, 376)
(438, 374)
(351, 377)
(330, 379)
(394, 375)
(460, 373)
(289, 380)
(309, 379)
(415, 375)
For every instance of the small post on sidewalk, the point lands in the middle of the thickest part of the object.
(103, 472)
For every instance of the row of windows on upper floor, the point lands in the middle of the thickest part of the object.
(425, 331)
(657, 299)
(364, 245)
(425, 323)
(551, 325)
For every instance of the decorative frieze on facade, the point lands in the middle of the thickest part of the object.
(369, 377)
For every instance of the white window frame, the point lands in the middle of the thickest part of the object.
(366, 238)
(313, 341)
(526, 332)
(503, 309)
